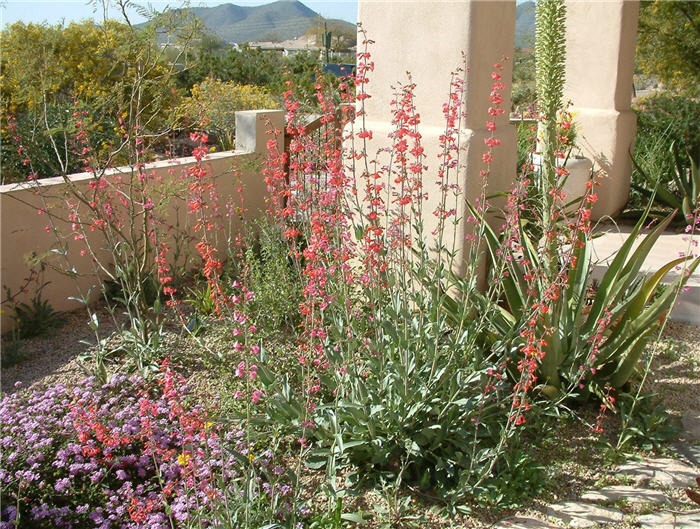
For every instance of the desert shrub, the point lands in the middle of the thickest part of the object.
(388, 379)
(273, 277)
(672, 114)
(49, 76)
(523, 91)
(212, 106)
(668, 46)
(407, 369)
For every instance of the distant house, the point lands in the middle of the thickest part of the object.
(288, 47)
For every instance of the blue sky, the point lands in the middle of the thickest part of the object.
(74, 10)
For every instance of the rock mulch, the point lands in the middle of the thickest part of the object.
(633, 495)
(691, 425)
(583, 514)
(665, 472)
(670, 520)
(653, 488)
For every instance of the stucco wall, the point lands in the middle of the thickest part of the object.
(23, 229)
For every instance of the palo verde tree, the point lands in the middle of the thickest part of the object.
(668, 45)
(51, 70)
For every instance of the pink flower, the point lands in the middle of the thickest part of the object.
(240, 370)
(257, 394)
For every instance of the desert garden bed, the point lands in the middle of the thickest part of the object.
(564, 457)
(370, 350)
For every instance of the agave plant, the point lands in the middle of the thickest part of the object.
(686, 178)
(631, 307)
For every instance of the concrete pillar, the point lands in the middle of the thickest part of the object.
(252, 127)
(601, 39)
(428, 38)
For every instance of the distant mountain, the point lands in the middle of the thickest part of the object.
(525, 25)
(278, 21)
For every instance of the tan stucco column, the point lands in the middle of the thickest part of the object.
(428, 39)
(601, 38)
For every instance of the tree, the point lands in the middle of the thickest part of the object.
(49, 72)
(213, 104)
(668, 46)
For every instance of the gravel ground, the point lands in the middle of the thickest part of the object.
(675, 373)
(53, 357)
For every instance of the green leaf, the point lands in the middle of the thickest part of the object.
(94, 323)
(650, 286)
(79, 300)
(353, 517)
(641, 326)
(621, 271)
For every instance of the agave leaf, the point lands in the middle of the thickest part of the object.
(695, 177)
(687, 206)
(632, 267)
(619, 308)
(640, 326)
(531, 252)
(573, 297)
(685, 185)
(501, 319)
(629, 358)
(512, 284)
(650, 286)
(622, 272)
(552, 361)
(579, 274)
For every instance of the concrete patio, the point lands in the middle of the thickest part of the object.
(670, 246)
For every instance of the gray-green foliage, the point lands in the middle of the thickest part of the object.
(667, 153)
(410, 408)
(645, 423)
(685, 178)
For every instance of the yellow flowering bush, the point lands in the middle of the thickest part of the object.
(213, 104)
(50, 71)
